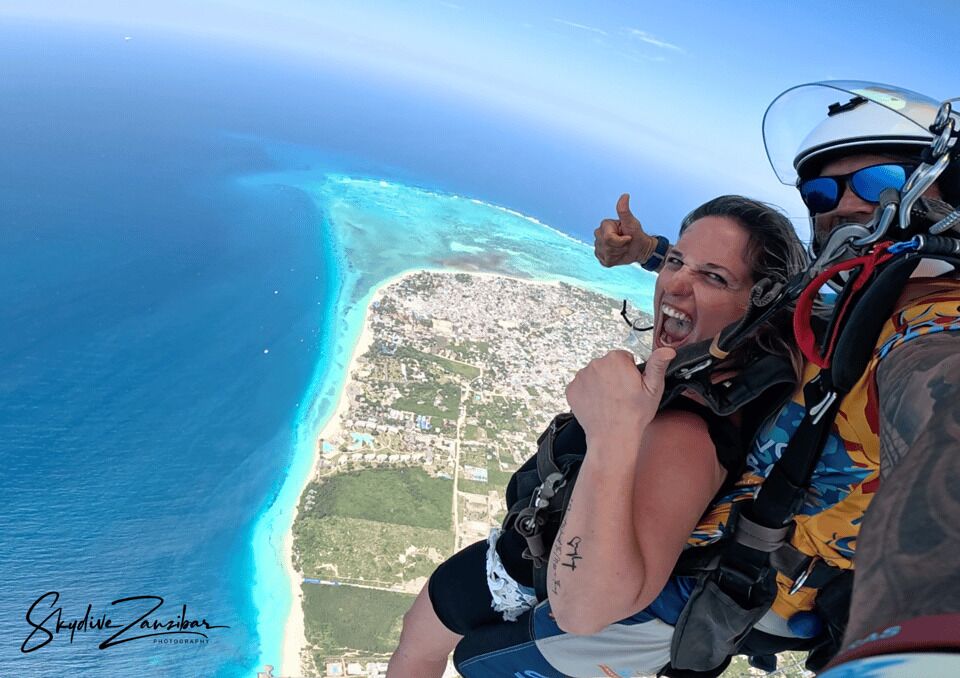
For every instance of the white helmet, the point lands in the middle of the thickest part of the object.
(808, 124)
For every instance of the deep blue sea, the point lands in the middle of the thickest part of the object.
(177, 300)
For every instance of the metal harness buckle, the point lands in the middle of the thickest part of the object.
(801, 580)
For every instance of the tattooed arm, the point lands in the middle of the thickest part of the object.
(908, 554)
(631, 512)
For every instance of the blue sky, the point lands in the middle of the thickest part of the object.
(686, 81)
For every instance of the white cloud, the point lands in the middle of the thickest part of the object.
(581, 27)
(653, 40)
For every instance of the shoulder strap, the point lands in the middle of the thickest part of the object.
(530, 514)
(862, 328)
(769, 376)
(546, 460)
(782, 493)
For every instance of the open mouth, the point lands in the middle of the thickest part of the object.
(675, 326)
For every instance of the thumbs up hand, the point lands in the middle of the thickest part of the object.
(612, 399)
(622, 240)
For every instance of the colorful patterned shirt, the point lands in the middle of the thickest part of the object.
(848, 473)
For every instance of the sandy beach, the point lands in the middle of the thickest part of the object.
(294, 635)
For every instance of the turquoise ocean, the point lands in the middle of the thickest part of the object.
(189, 237)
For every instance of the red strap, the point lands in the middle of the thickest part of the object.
(802, 328)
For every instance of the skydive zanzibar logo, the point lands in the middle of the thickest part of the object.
(138, 620)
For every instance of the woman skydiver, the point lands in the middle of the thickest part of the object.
(641, 492)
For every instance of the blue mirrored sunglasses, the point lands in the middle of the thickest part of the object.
(822, 194)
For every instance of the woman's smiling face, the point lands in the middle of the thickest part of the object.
(704, 284)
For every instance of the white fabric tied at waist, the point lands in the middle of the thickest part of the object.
(509, 597)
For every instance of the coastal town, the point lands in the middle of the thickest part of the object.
(454, 379)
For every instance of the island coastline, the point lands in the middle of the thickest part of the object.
(294, 635)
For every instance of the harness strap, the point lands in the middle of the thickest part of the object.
(759, 537)
(783, 491)
(546, 462)
(787, 559)
(771, 377)
(530, 517)
(697, 559)
(803, 570)
(872, 310)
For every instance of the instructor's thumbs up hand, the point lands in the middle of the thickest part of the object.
(622, 240)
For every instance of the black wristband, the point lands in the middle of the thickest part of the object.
(655, 261)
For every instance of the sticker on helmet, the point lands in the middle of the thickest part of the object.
(891, 101)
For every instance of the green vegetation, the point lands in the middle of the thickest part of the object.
(477, 458)
(475, 486)
(443, 427)
(380, 554)
(430, 399)
(387, 525)
(501, 414)
(496, 478)
(473, 432)
(341, 618)
(406, 354)
(470, 351)
(401, 496)
(473, 456)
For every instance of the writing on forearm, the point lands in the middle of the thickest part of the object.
(555, 565)
(573, 554)
(557, 552)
